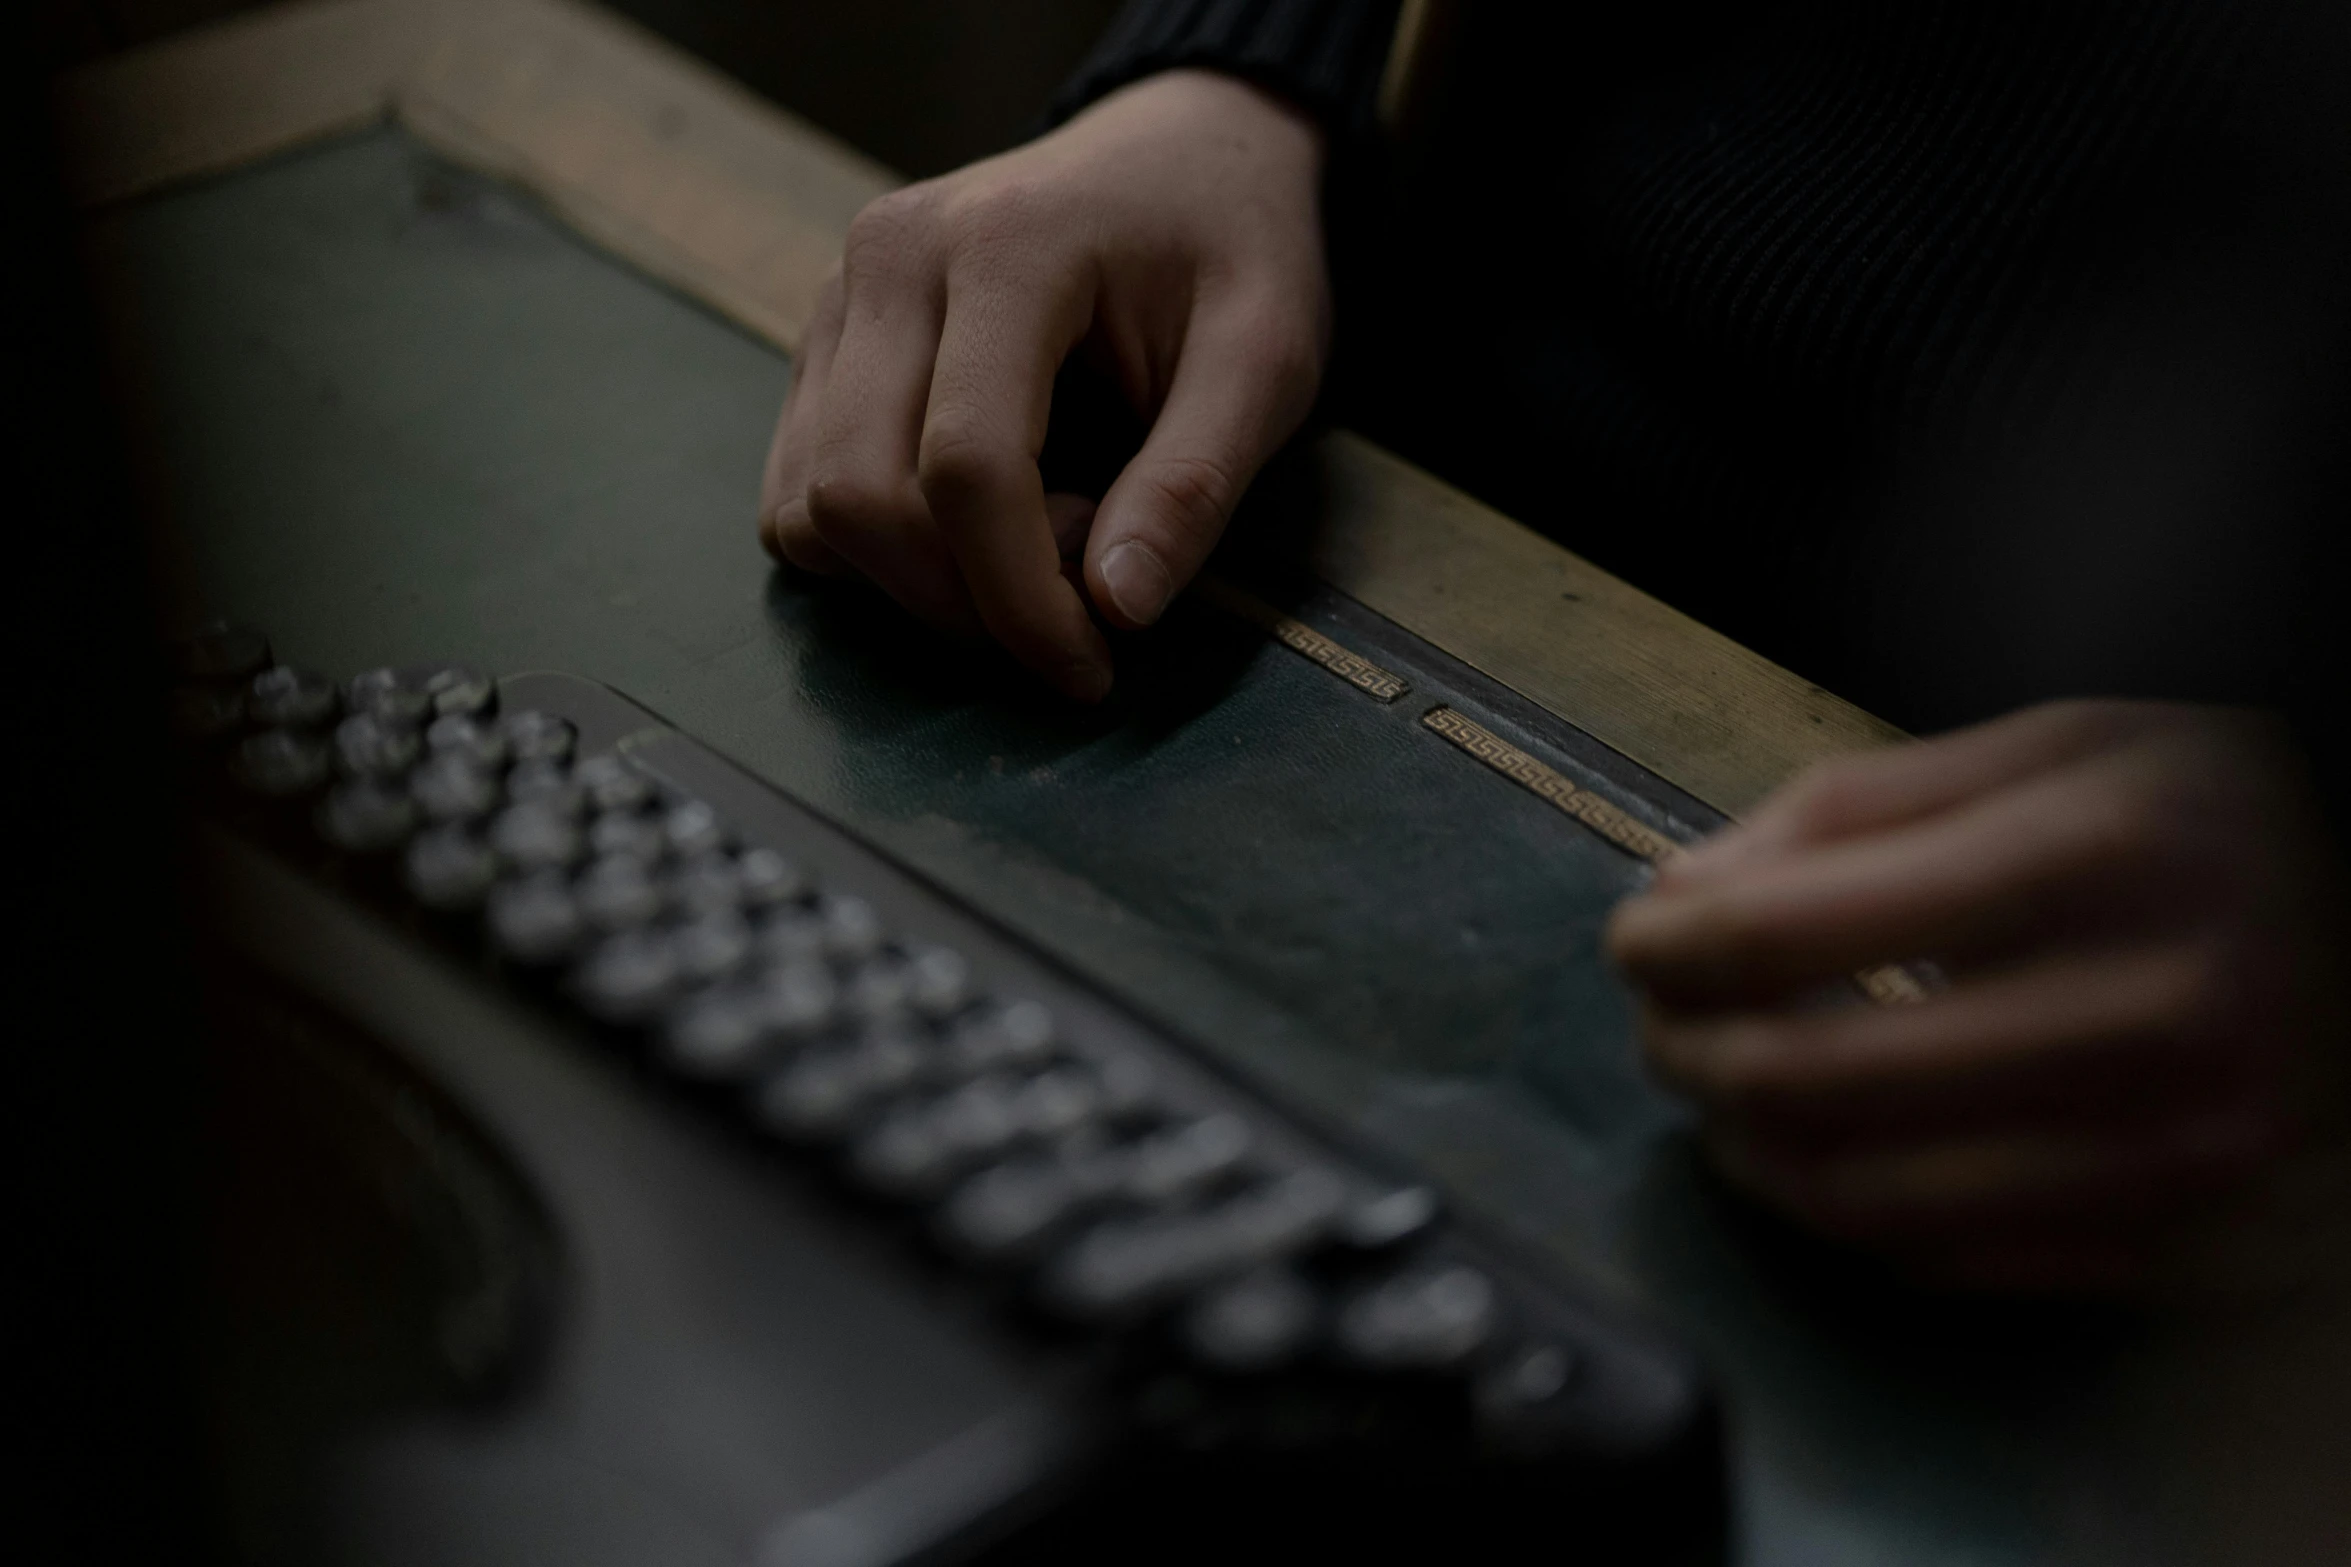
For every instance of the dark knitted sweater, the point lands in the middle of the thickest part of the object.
(1956, 354)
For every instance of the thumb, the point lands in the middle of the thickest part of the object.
(1244, 383)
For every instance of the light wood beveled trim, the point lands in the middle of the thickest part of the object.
(649, 153)
(743, 206)
(1689, 704)
(226, 95)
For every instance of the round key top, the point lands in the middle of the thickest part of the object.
(457, 735)
(279, 764)
(1127, 1265)
(1187, 1159)
(1388, 1216)
(712, 946)
(938, 982)
(365, 816)
(826, 1095)
(393, 695)
(535, 920)
(1258, 1322)
(801, 998)
(852, 929)
(882, 988)
(612, 784)
(1421, 1320)
(1007, 1211)
(370, 746)
(627, 978)
(546, 781)
(693, 829)
(769, 880)
(617, 892)
(532, 736)
(627, 832)
(1526, 1401)
(286, 695)
(1055, 1101)
(707, 883)
(459, 692)
(222, 652)
(1018, 1035)
(533, 837)
(918, 1150)
(448, 868)
(791, 935)
(718, 1033)
(449, 788)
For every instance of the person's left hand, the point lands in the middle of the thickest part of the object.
(2138, 909)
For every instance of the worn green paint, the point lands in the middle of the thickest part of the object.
(394, 414)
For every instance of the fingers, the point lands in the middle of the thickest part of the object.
(1863, 794)
(1973, 881)
(1245, 380)
(784, 524)
(863, 500)
(991, 395)
(1070, 517)
(2067, 1042)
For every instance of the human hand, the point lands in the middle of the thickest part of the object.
(2138, 909)
(1173, 233)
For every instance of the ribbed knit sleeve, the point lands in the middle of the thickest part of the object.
(1326, 56)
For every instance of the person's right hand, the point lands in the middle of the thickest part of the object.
(1173, 232)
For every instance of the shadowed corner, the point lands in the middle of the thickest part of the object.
(374, 1256)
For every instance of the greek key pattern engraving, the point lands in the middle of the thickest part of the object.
(1891, 985)
(1305, 641)
(1603, 818)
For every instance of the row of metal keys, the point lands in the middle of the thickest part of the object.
(1066, 1162)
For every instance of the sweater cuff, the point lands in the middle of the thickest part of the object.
(1325, 56)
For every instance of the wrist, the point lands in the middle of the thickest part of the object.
(1213, 103)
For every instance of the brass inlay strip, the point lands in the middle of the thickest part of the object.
(1633, 837)
(1303, 639)
(1890, 984)
(1887, 984)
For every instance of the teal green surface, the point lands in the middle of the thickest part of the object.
(395, 414)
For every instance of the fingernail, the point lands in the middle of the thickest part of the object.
(1088, 681)
(1138, 583)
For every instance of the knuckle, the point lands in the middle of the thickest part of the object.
(887, 229)
(2118, 832)
(1002, 209)
(1193, 491)
(1830, 794)
(957, 458)
(847, 503)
